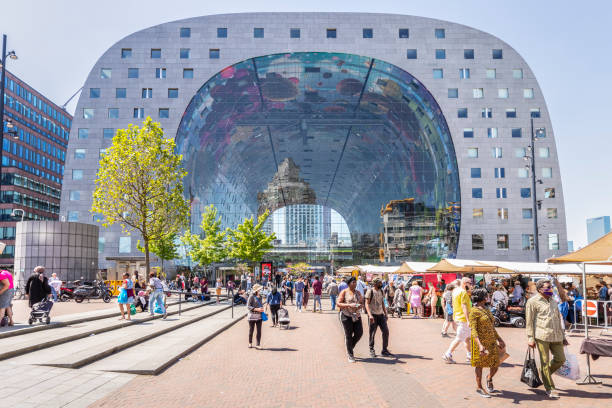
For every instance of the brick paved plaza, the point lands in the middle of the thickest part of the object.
(306, 366)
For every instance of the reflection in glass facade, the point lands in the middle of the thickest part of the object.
(329, 130)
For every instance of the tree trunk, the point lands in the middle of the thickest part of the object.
(147, 262)
(162, 269)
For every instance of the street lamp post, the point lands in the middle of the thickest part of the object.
(536, 238)
(9, 125)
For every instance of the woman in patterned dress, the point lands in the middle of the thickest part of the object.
(486, 343)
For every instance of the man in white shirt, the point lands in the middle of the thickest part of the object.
(56, 286)
(361, 287)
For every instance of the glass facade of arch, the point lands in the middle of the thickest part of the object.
(339, 131)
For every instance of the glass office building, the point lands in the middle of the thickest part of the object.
(368, 137)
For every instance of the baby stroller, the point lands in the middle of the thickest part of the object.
(283, 318)
(40, 311)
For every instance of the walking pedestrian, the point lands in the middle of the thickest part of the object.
(248, 282)
(416, 299)
(332, 290)
(55, 285)
(361, 286)
(350, 303)
(545, 331)
(317, 290)
(485, 342)
(37, 287)
(399, 300)
(157, 295)
(377, 314)
(7, 291)
(289, 289)
(447, 306)
(273, 301)
(299, 294)
(255, 309)
(433, 299)
(461, 313)
(126, 298)
(218, 286)
(307, 286)
(342, 285)
(389, 292)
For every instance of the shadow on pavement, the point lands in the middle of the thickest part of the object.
(278, 349)
(518, 397)
(381, 360)
(412, 356)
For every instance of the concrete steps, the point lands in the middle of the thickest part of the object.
(28, 342)
(86, 350)
(153, 356)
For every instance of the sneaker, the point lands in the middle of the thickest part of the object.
(482, 393)
(351, 359)
(468, 358)
(165, 315)
(552, 394)
(448, 358)
(258, 347)
(444, 334)
(250, 345)
(372, 353)
(387, 353)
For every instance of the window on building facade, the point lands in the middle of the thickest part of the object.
(108, 133)
(440, 53)
(535, 112)
(475, 172)
(80, 153)
(440, 33)
(523, 172)
(477, 242)
(106, 73)
(497, 54)
(525, 192)
(517, 73)
(75, 195)
(73, 216)
(184, 53)
(492, 133)
(98, 218)
(464, 73)
(502, 241)
(258, 32)
(472, 152)
(511, 113)
(101, 153)
(486, 113)
(214, 53)
(101, 242)
(546, 172)
(462, 113)
(83, 133)
(477, 193)
(477, 213)
(139, 113)
(544, 152)
(185, 32)
(453, 93)
(499, 172)
(126, 53)
(160, 73)
(331, 33)
(221, 32)
(527, 213)
(468, 53)
(527, 243)
(468, 132)
(88, 113)
(553, 242)
(549, 192)
(496, 152)
(77, 174)
(491, 73)
(125, 245)
(164, 113)
(188, 73)
(147, 93)
(438, 73)
(520, 152)
(404, 33)
(517, 132)
(551, 213)
(540, 133)
(502, 214)
(120, 93)
(155, 53)
(294, 33)
(94, 92)
(411, 53)
(368, 33)
(528, 93)
(132, 72)
(502, 93)
(113, 113)
(172, 93)
(501, 192)
(478, 93)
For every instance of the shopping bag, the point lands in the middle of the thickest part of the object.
(503, 354)
(158, 309)
(132, 309)
(264, 317)
(570, 369)
(530, 374)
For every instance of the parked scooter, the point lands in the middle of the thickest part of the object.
(509, 316)
(67, 291)
(97, 290)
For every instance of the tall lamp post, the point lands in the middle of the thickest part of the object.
(9, 125)
(536, 205)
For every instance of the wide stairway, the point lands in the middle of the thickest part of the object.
(98, 341)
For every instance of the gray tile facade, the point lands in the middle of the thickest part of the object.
(385, 45)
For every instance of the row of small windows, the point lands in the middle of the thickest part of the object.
(108, 133)
(160, 73)
(502, 192)
(184, 53)
(488, 113)
(465, 73)
(7, 161)
(478, 93)
(30, 184)
(138, 113)
(15, 197)
(121, 93)
(520, 152)
(32, 115)
(440, 53)
(493, 132)
(503, 213)
(503, 242)
(500, 172)
(34, 157)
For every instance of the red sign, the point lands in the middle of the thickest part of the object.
(266, 269)
(590, 308)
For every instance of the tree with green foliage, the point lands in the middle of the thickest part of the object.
(212, 245)
(249, 242)
(165, 248)
(139, 185)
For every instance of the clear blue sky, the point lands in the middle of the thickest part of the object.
(566, 43)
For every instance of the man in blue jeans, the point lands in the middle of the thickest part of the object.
(299, 294)
(332, 289)
(157, 294)
(317, 290)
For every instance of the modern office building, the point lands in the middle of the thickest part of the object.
(597, 227)
(349, 111)
(33, 155)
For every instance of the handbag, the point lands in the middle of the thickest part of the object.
(264, 316)
(570, 368)
(530, 375)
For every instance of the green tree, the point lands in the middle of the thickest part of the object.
(139, 184)
(165, 248)
(249, 242)
(213, 246)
